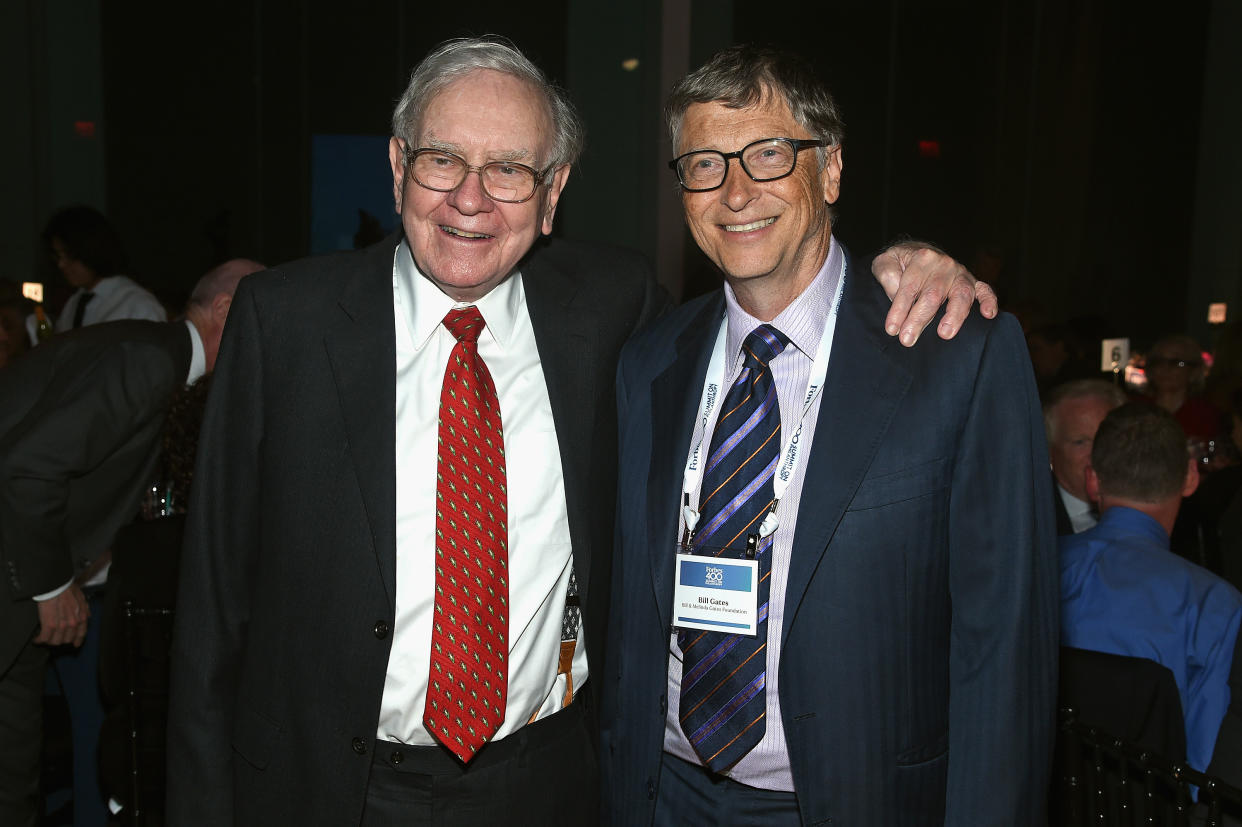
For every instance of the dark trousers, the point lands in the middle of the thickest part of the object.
(21, 736)
(690, 794)
(545, 773)
(75, 672)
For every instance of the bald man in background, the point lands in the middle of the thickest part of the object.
(79, 434)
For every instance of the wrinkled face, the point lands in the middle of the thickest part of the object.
(462, 240)
(771, 233)
(74, 271)
(1075, 423)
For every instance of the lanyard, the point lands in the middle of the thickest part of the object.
(791, 454)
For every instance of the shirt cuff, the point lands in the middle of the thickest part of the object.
(39, 598)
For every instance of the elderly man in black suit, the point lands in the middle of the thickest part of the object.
(79, 428)
(395, 582)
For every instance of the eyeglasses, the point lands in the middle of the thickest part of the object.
(769, 159)
(1169, 362)
(443, 171)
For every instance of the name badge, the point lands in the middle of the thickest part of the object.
(716, 594)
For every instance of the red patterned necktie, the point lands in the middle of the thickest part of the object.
(470, 630)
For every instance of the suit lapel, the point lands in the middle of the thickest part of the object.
(675, 396)
(565, 335)
(361, 343)
(861, 392)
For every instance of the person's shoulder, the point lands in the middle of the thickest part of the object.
(587, 259)
(658, 334)
(600, 275)
(315, 278)
(867, 301)
(333, 264)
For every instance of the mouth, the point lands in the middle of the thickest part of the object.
(754, 225)
(462, 233)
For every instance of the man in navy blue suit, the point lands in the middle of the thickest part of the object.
(834, 594)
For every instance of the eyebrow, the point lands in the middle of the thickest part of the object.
(456, 149)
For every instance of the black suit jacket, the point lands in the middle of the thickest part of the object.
(919, 630)
(80, 420)
(288, 576)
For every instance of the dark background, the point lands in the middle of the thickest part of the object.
(1076, 152)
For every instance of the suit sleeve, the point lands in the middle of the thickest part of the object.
(213, 603)
(1003, 591)
(88, 411)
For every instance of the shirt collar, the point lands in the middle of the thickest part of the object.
(802, 321)
(1122, 518)
(106, 286)
(426, 305)
(198, 355)
(1073, 505)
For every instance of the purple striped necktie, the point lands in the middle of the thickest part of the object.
(723, 703)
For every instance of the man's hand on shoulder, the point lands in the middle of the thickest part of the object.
(62, 619)
(919, 278)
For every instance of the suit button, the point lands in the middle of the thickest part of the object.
(360, 746)
(663, 704)
(397, 757)
(650, 790)
(382, 629)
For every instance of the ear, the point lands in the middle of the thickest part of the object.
(830, 175)
(1192, 477)
(396, 160)
(220, 308)
(1093, 485)
(559, 177)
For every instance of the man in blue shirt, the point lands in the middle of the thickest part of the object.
(1124, 592)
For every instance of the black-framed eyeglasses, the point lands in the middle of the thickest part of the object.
(442, 171)
(1170, 362)
(769, 159)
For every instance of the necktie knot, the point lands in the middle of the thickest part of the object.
(465, 324)
(763, 345)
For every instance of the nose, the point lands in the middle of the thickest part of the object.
(469, 197)
(737, 190)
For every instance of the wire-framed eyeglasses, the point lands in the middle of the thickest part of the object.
(442, 171)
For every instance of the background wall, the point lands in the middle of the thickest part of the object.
(1076, 152)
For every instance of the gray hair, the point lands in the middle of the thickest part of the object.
(1103, 390)
(454, 59)
(745, 76)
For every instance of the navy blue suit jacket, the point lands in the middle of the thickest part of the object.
(919, 642)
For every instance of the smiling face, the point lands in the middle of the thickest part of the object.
(462, 240)
(1075, 422)
(768, 238)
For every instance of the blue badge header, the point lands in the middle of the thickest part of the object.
(715, 574)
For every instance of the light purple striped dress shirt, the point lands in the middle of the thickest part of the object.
(767, 765)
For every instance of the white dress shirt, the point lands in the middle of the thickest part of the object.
(1082, 516)
(540, 558)
(116, 297)
(803, 321)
